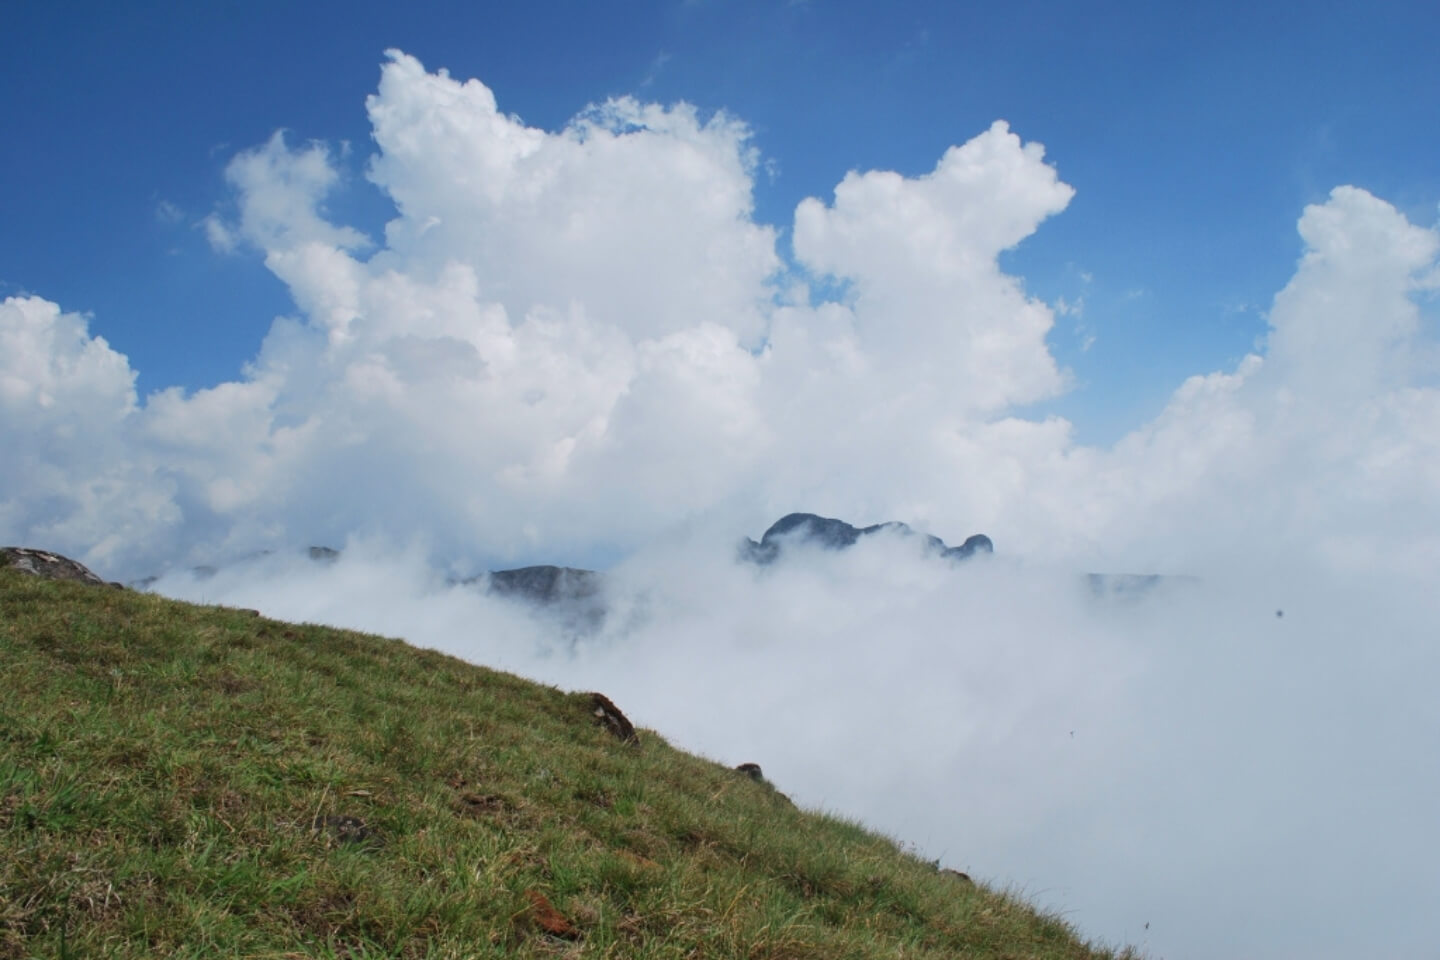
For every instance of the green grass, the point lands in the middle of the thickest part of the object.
(163, 768)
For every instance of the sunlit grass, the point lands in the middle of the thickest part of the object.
(195, 781)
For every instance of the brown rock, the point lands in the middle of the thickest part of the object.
(609, 716)
(753, 771)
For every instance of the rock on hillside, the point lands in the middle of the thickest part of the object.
(48, 566)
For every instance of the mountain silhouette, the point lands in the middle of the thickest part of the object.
(832, 534)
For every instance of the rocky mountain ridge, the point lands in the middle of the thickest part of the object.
(577, 596)
(832, 534)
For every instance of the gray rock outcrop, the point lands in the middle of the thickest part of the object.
(49, 566)
(831, 534)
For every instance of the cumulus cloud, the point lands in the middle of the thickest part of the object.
(571, 344)
(922, 255)
(282, 190)
(1305, 445)
(570, 341)
(637, 213)
(67, 403)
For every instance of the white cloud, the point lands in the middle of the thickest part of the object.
(572, 342)
(1346, 325)
(930, 297)
(556, 349)
(656, 66)
(281, 189)
(640, 213)
(68, 475)
(168, 213)
(220, 237)
(53, 369)
(1302, 449)
(569, 341)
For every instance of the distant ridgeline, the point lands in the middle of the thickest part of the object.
(837, 535)
(576, 597)
(326, 555)
(580, 589)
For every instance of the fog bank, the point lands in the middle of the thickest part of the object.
(1239, 761)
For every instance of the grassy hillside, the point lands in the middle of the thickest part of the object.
(195, 781)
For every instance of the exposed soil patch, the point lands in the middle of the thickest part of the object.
(346, 830)
(481, 804)
(544, 915)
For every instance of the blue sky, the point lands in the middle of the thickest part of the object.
(1194, 135)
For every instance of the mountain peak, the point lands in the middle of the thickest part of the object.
(832, 534)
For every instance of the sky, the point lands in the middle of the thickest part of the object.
(1126, 288)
